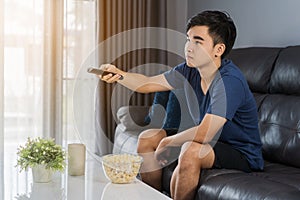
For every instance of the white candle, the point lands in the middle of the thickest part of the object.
(76, 159)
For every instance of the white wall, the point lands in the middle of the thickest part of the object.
(177, 14)
(273, 23)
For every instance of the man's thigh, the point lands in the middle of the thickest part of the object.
(229, 158)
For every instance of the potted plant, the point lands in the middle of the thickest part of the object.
(43, 156)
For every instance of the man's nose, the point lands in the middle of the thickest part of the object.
(189, 47)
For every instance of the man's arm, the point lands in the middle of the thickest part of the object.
(203, 133)
(136, 82)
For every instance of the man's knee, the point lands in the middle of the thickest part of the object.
(149, 139)
(188, 154)
(150, 134)
(195, 155)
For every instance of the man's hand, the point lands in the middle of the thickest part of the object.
(112, 77)
(165, 152)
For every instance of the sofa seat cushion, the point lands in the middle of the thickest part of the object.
(276, 182)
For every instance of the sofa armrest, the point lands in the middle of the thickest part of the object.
(132, 117)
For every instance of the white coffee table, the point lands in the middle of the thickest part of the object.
(93, 185)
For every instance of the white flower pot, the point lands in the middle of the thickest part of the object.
(41, 174)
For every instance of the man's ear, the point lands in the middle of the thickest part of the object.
(219, 49)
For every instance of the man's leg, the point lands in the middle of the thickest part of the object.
(151, 171)
(193, 157)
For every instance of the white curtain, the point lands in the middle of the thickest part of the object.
(43, 44)
(28, 74)
(79, 86)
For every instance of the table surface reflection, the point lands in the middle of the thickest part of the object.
(93, 185)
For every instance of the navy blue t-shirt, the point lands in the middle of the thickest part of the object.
(228, 96)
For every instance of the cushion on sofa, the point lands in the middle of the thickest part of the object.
(256, 63)
(285, 76)
(279, 126)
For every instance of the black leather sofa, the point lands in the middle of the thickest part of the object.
(273, 75)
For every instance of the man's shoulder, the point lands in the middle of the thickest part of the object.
(230, 69)
(228, 66)
(181, 66)
(176, 75)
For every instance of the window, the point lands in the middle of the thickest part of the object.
(45, 43)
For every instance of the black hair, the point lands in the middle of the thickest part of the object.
(220, 27)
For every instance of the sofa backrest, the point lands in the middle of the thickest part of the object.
(273, 75)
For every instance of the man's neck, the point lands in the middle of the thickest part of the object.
(208, 71)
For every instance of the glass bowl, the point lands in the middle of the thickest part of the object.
(121, 168)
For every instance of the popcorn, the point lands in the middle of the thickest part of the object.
(121, 168)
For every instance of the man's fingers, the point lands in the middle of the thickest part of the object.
(108, 67)
(163, 155)
(110, 78)
(105, 66)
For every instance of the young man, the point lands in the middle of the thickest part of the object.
(226, 135)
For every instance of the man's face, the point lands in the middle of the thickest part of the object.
(199, 47)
